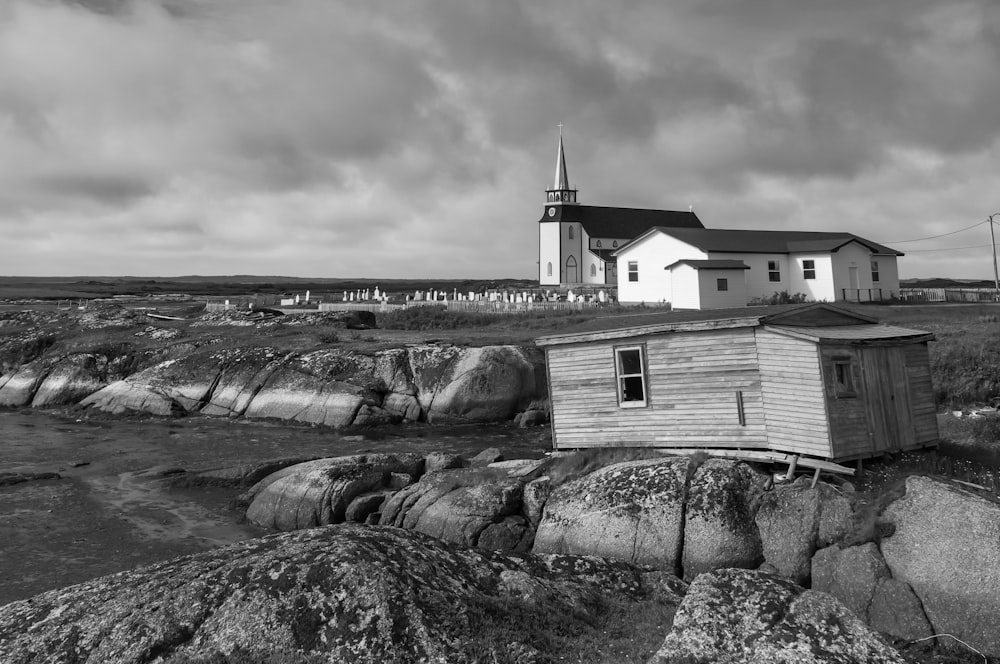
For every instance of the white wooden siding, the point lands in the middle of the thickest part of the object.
(692, 383)
(793, 397)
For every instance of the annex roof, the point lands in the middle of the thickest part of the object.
(853, 333)
(798, 316)
(620, 223)
(763, 242)
(710, 264)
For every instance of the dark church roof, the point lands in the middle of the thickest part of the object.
(615, 222)
(768, 242)
(710, 265)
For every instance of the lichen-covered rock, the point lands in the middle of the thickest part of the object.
(442, 461)
(895, 609)
(71, 379)
(533, 498)
(719, 527)
(511, 534)
(344, 593)
(404, 406)
(733, 616)
(179, 385)
(850, 574)
(317, 493)
(946, 546)
(455, 505)
(20, 386)
(243, 372)
(630, 511)
(484, 384)
(795, 519)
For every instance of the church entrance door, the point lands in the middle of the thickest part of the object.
(571, 276)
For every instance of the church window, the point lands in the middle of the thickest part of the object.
(570, 233)
(598, 244)
(629, 366)
(633, 270)
(593, 270)
(875, 276)
(548, 269)
(614, 244)
(773, 272)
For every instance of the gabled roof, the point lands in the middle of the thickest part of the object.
(800, 316)
(853, 333)
(763, 242)
(710, 265)
(620, 223)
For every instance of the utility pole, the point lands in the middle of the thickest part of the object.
(996, 274)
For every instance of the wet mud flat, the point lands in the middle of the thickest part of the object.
(116, 508)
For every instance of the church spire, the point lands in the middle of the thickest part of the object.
(561, 191)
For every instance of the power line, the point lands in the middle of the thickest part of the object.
(934, 237)
(921, 251)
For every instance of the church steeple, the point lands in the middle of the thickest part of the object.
(560, 191)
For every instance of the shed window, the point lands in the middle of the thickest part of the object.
(773, 272)
(809, 269)
(722, 284)
(631, 372)
(843, 378)
(633, 270)
(875, 272)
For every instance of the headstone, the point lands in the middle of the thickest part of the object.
(307, 296)
(602, 296)
(378, 294)
(296, 298)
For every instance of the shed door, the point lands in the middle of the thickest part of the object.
(887, 398)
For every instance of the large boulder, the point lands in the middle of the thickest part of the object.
(242, 374)
(19, 387)
(796, 519)
(632, 511)
(177, 385)
(850, 574)
(719, 527)
(323, 387)
(946, 546)
(459, 505)
(342, 593)
(317, 493)
(475, 384)
(71, 379)
(732, 616)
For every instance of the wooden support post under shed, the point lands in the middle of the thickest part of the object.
(815, 479)
(793, 462)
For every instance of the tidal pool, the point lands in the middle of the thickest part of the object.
(113, 510)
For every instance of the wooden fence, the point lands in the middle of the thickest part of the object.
(948, 295)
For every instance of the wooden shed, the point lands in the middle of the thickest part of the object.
(815, 380)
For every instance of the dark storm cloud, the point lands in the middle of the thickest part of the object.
(110, 189)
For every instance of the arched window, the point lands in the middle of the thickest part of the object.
(570, 233)
(548, 270)
(614, 244)
(593, 270)
(598, 244)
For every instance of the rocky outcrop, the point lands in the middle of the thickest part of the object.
(364, 595)
(946, 546)
(318, 493)
(795, 519)
(737, 615)
(632, 511)
(335, 387)
(719, 528)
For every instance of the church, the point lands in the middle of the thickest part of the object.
(576, 242)
(670, 257)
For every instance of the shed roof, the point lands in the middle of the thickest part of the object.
(620, 223)
(799, 316)
(710, 265)
(764, 242)
(853, 333)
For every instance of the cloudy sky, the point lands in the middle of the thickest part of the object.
(328, 138)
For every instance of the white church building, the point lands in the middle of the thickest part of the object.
(660, 256)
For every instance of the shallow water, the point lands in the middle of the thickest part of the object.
(109, 513)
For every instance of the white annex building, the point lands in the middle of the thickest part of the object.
(664, 256)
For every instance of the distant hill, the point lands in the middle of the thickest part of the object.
(940, 282)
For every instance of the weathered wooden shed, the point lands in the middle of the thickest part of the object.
(815, 380)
